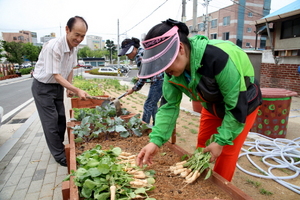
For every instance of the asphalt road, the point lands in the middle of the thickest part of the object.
(15, 93)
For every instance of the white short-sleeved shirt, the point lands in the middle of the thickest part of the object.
(55, 58)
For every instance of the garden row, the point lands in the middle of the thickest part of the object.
(102, 149)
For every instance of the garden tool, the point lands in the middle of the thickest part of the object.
(117, 104)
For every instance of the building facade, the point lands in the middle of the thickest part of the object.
(46, 38)
(94, 42)
(21, 36)
(234, 23)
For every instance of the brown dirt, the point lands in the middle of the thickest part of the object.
(186, 130)
(168, 186)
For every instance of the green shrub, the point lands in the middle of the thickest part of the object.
(26, 70)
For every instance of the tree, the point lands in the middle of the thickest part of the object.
(31, 52)
(14, 52)
(84, 53)
(111, 48)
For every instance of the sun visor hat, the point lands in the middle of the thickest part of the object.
(160, 52)
(126, 49)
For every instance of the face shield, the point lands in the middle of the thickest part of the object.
(160, 52)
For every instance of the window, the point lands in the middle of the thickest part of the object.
(226, 21)
(21, 38)
(248, 44)
(201, 27)
(225, 36)
(214, 23)
(290, 28)
(249, 30)
(213, 36)
(250, 14)
(191, 28)
(14, 38)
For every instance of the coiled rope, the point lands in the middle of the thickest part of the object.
(284, 152)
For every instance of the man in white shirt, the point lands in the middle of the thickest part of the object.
(54, 72)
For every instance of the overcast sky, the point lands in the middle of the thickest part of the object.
(135, 16)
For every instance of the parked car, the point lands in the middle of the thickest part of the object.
(87, 66)
(107, 69)
(16, 66)
(25, 65)
(122, 68)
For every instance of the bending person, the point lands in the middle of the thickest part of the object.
(215, 72)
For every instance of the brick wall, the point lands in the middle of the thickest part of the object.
(280, 76)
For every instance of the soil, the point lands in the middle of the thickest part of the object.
(170, 186)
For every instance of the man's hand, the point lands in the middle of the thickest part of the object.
(215, 151)
(146, 154)
(70, 93)
(82, 94)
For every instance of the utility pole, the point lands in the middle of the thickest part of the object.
(195, 28)
(183, 17)
(206, 22)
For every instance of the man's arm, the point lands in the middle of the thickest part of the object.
(67, 84)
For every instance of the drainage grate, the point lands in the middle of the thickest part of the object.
(18, 121)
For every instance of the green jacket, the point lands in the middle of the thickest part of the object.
(222, 78)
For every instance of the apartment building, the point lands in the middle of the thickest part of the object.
(234, 23)
(21, 36)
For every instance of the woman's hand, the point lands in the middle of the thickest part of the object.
(146, 154)
(215, 151)
(130, 91)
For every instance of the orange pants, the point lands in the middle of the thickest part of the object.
(226, 162)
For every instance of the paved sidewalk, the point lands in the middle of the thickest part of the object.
(28, 170)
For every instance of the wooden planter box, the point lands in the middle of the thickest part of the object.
(89, 103)
(70, 190)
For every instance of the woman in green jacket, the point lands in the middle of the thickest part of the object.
(215, 72)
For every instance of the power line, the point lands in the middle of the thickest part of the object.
(145, 17)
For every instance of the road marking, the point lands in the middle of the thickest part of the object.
(8, 115)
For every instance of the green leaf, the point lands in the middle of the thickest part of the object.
(86, 192)
(104, 168)
(117, 151)
(120, 128)
(209, 173)
(124, 134)
(94, 172)
(140, 191)
(102, 196)
(137, 132)
(88, 183)
(78, 140)
(92, 163)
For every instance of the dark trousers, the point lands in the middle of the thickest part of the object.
(49, 101)
(150, 106)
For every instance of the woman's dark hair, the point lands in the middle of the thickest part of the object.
(72, 21)
(134, 41)
(160, 29)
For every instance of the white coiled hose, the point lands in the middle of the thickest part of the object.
(283, 151)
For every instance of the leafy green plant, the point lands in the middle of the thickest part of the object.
(255, 183)
(97, 112)
(103, 120)
(191, 168)
(101, 175)
(265, 192)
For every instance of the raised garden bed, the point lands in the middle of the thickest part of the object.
(168, 186)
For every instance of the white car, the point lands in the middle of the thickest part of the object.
(107, 69)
